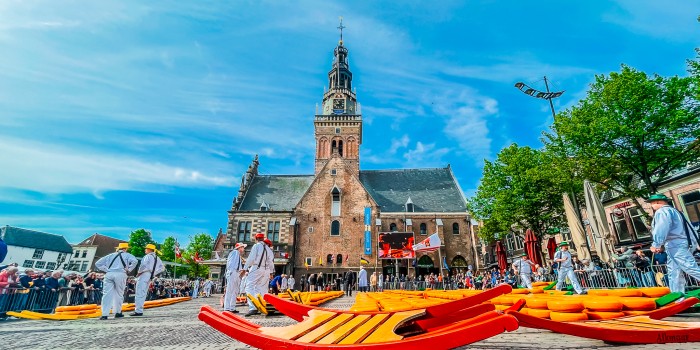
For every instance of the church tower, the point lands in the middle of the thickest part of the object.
(338, 129)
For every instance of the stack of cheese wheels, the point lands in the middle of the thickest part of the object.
(566, 309)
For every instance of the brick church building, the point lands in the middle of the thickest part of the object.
(326, 221)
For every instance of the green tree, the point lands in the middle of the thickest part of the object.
(520, 189)
(167, 249)
(138, 240)
(202, 245)
(632, 131)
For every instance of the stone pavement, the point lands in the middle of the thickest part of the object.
(177, 327)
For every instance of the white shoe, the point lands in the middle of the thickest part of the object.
(680, 300)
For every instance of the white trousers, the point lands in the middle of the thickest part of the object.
(680, 259)
(568, 272)
(526, 281)
(233, 288)
(141, 292)
(195, 291)
(257, 283)
(113, 289)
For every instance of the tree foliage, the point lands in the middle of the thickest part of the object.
(632, 131)
(138, 240)
(520, 189)
(167, 249)
(202, 244)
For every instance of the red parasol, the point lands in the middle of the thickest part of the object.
(551, 247)
(501, 256)
(531, 247)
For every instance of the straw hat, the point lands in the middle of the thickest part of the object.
(240, 245)
(123, 246)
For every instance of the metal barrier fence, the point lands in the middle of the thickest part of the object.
(44, 300)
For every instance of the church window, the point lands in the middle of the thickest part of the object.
(273, 231)
(337, 130)
(334, 172)
(329, 258)
(339, 259)
(392, 227)
(340, 148)
(455, 228)
(423, 229)
(309, 261)
(335, 205)
(335, 228)
(244, 231)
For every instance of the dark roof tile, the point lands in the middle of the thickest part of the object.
(34, 239)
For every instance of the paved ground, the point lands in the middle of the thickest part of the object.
(177, 327)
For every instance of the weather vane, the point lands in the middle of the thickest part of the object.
(549, 95)
(341, 27)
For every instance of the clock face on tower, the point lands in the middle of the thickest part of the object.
(338, 105)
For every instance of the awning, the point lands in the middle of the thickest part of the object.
(438, 222)
(409, 222)
(293, 221)
(378, 222)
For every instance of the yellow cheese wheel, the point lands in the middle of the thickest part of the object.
(520, 291)
(638, 304)
(603, 315)
(603, 304)
(540, 284)
(655, 292)
(524, 311)
(538, 313)
(597, 292)
(625, 292)
(502, 307)
(537, 290)
(536, 303)
(567, 316)
(633, 313)
(565, 305)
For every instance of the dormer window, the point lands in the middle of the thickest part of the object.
(264, 206)
(409, 206)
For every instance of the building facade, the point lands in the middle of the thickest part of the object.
(34, 249)
(88, 251)
(327, 221)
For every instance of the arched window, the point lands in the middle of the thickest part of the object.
(392, 227)
(340, 147)
(335, 228)
(339, 259)
(455, 228)
(423, 229)
(335, 205)
(329, 258)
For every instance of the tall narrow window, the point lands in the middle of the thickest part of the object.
(335, 228)
(392, 227)
(423, 229)
(455, 228)
(273, 231)
(340, 148)
(335, 205)
(244, 231)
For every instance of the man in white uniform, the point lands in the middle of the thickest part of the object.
(150, 267)
(195, 288)
(234, 266)
(671, 230)
(259, 264)
(117, 265)
(208, 284)
(523, 267)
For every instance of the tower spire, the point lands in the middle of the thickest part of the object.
(341, 27)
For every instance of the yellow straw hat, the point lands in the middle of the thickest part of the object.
(123, 246)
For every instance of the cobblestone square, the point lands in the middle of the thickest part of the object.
(177, 327)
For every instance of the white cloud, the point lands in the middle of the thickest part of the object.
(398, 143)
(51, 168)
(425, 155)
(676, 21)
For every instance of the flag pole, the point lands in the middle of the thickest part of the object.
(440, 259)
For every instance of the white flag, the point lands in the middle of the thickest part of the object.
(429, 244)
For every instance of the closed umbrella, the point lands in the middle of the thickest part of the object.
(531, 245)
(551, 247)
(577, 233)
(602, 238)
(501, 255)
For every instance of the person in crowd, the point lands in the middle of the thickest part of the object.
(563, 258)
(523, 267)
(234, 266)
(320, 282)
(291, 282)
(284, 283)
(623, 266)
(643, 272)
(312, 282)
(259, 264)
(208, 285)
(8, 278)
(348, 282)
(373, 282)
(150, 267)
(380, 282)
(362, 279)
(672, 231)
(660, 259)
(116, 266)
(276, 284)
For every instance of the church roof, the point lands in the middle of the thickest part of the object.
(430, 190)
(279, 192)
(21, 237)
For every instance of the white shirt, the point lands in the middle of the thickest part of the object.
(254, 258)
(290, 282)
(233, 262)
(147, 264)
(108, 263)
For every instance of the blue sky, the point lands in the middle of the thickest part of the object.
(118, 115)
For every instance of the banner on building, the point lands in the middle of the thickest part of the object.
(368, 228)
(396, 245)
(431, 243)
